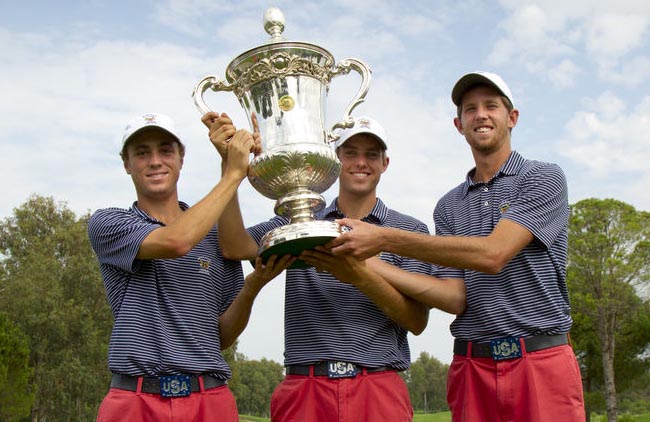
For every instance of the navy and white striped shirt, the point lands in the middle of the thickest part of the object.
(165, 310)
(326, 319)
(529, 295)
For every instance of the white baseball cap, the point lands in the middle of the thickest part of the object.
(363, 124)
(476, 78)
(149, 120)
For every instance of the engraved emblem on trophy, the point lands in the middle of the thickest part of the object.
(282, 86)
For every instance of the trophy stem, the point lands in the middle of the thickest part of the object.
(300, 205)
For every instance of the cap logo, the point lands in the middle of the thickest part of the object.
(364, 123)
(149, 119)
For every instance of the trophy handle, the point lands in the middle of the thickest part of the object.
(209, 82)
(343, 68)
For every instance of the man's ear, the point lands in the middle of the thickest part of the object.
(386, 162)
(513, 117)
(459, 125)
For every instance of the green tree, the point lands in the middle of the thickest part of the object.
(427, 384)
(609, 264)
(16, 397)
(253, 383)
(53, 291)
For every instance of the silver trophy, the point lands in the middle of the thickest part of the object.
(282, 86)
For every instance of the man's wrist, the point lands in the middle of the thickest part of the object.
(383, 237)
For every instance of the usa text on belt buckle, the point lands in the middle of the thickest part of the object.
(341, 370)
(505, 348)
(175, 386)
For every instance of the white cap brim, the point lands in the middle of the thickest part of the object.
(477, 78)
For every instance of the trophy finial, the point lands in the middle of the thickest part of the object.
(274, 23)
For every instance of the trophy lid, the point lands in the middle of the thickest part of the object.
(274, 24)
(278, 57)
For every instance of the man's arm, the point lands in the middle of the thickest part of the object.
(180, 236)
(233, 321)
(235, 242)
(446, 294)
(487, 254)
(406, 312)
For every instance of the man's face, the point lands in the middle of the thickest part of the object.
(154, 161)
(485, 120)
(362, 162)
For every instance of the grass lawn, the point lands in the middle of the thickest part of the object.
(435, 417)
(246, 418)
(636, 418)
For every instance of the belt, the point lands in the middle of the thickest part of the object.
(152, 384)
(321, 369)
(532, 344)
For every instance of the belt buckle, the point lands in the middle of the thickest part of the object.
(175, 386)
(505, 348)
(341, 370)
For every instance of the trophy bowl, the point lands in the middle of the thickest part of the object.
(282, 87)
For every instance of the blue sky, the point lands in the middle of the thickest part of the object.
(73, 73)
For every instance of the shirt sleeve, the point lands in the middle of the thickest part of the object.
(116, 236)
(541, 203)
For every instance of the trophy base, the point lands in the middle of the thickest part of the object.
(294, 238)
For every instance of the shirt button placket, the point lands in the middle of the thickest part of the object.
(487, 215)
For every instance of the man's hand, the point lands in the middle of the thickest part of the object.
(239, 150)
(362, 241)
(221, 131)
(345, 268)
(266, 272)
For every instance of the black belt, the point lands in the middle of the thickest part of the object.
(321, 369)
(533, 344)
(152, 384)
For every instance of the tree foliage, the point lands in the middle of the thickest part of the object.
(608, 270)
(253, 384)
(426, 381)
(54, 293)
(16, 397)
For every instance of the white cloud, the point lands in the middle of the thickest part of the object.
(65, 104)
(631, 72)
(609, 144)
(564, 74)
(531, 33)
(615, 34)
(540, 37)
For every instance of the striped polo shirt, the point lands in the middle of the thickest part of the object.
(165, 310)
(326, 319)
(529, 295)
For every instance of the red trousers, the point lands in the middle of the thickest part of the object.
(215, 404)
(376, 397)
(541, 386)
